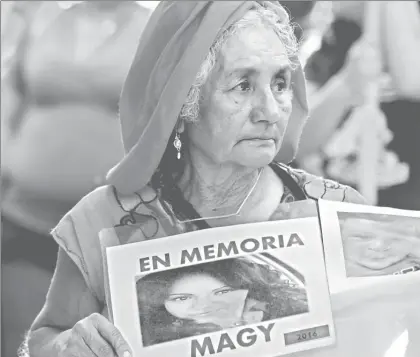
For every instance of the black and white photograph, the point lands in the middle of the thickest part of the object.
(218, 295)
(372, 264)
(126, 122)
(368, 246)
(238, 290)
(379, 244)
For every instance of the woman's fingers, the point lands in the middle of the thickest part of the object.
(76, 346)
(113, 336)
(98, 345)
(95, 336)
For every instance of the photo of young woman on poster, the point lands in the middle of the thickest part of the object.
(379, 244)
(214, 296)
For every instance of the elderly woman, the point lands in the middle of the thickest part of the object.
(214, 101)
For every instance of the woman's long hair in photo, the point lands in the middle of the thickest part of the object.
(264, 285)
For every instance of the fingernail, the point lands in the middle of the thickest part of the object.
(127, 354)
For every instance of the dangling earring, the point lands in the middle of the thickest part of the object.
(177, 145)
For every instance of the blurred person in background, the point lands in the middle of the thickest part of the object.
(300, 13)
(337, 75)
(59, 133)
(312, 19)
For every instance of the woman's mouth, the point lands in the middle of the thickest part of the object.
(207, 313)
(259, 140)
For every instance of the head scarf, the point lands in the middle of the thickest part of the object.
(174, 43)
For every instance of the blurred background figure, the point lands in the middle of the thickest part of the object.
(338, 74)
(300, 12)
(312, 19)
(63, 66)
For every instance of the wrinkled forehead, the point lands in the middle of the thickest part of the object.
(257, 47)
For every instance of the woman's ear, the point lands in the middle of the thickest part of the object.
(180, 126)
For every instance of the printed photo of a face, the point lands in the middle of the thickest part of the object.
(379, 244)
(203, 298)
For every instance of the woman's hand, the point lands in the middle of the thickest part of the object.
(95, 336)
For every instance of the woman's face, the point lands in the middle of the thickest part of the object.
(205, 299)
(246, 102)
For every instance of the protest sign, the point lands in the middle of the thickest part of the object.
(248, 290)
(368, 245)
(372, 260)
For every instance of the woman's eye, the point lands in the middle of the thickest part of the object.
(224, 291)
(180, 298)
(243, 86)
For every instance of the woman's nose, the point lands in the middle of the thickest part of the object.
(267, 108)
(200, 304)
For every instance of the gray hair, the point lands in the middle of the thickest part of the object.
(257, 16)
